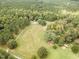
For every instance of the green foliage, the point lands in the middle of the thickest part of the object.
(1, 27)
(61, 42)
(75, 48)
(12, 44)
(5, 55)
(61, 32)
(42, 52)
(42, 22)
(50, 36)
(50, 17)
(55, 46)
(34, 57)
(11, 21)
(11, 57)
(76, 21)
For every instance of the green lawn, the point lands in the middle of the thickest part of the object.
(61, 54)
(31, 38)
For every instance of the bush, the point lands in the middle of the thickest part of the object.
(61, 42)
(42, 22)
(50, 17)
(75, 49)
(1, 27)
(5, 55)
(11, 57)
(50, 36)
(33, 57)
(12, 44)
(55, 46)
(42, 52)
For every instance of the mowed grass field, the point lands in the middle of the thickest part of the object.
(32, 38)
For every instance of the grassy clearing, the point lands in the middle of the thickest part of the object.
(29, 41)
(31, 38)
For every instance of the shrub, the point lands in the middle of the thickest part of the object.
(33, 57)
(50, 36)
(1, 27)
(42, 22)
(11, 57)
(55, 46)
(50, 17)
(5, 55)
(12, 44)
(75, 48)
(2, 57)
(61, 42)
(42, 52)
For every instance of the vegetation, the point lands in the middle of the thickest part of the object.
(12, 44)
(17, 17)
(11, 21)
(42, 52)
(61, 32)
(63, 29)
(55, 47)
(34, 57)
(5, 55)
(75, 48)
(42, 22)
(35, 34)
